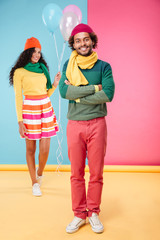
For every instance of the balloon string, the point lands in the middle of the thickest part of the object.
(59, 149)
(59, 58)
(64, 44)
(59, 139)
(59, 66)
(56, 50)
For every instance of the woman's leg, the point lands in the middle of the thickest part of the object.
(44, 146)
(30, 157)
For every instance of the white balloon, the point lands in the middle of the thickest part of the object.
(68, 21)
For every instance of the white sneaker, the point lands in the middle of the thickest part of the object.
(96, 225)
(36, 191)
(75, 225)
(39, 178)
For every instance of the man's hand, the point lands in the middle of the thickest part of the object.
(67, 82)
(100, 87)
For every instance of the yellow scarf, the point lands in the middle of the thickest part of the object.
(73, 73)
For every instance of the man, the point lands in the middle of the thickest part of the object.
(88, 84)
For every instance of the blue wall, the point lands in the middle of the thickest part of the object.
(19, 20)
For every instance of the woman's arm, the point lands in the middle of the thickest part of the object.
(55, 84)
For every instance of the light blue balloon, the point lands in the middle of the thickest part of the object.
(51, 16)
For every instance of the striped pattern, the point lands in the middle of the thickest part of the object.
(39, 117)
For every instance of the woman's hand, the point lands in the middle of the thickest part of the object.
(57, 79)
(22, 129)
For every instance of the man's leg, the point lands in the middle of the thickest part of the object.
(96, 148)
(77, 156)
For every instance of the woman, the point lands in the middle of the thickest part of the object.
(36, 117)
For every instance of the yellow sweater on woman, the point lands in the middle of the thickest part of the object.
(28, 83)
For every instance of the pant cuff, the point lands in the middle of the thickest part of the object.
(81, 215)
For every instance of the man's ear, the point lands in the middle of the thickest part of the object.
(73, 46)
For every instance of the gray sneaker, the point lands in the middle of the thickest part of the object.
(75, 225)
(96, 225)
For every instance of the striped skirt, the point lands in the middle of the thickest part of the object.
(39, 117)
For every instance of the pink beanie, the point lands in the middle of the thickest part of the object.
(81, 28)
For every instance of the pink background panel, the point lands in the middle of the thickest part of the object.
(129, 39)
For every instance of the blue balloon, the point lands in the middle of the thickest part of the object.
(51, 16)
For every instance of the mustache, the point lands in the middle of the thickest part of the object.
(83, 46)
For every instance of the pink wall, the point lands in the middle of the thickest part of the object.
(129, 39)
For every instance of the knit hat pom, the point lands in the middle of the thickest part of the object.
(81, 28)
(32, 43)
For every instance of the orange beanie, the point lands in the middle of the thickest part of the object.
(32, 43)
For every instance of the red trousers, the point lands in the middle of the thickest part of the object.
(86, 139)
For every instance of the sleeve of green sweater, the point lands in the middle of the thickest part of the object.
(72, 92)
(108, 88)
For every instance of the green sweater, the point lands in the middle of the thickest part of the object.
(92, 104)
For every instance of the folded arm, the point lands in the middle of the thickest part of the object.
(107, 92)
(73, 92)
